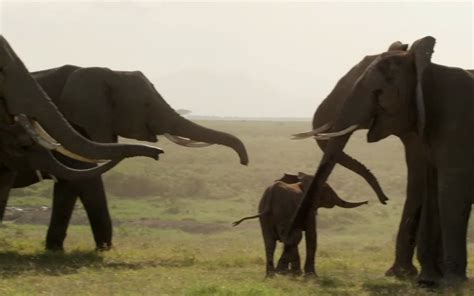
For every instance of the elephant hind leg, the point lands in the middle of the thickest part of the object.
(269, 240)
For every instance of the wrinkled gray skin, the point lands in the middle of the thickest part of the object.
(415, 158)
(103, 104)
(23, 105)
(403, 92)
(276, 208)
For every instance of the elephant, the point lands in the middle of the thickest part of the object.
(403, 92)
(325, 115)
(276, 208)
(32, 128)
(104, 104)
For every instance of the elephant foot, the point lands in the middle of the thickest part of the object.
(103, 247)
(400, 271)
(310, 275)
(296, 272)
(270, 274)
(54, 247)
(453, 280)
(282, 271)
(429, 279)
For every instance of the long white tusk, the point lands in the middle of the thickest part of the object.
(58, 147)
(26, 124)
(186, 142)
(327, 136)
(44, 139)
(312, 133)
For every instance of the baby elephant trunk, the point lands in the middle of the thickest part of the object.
(329, 199)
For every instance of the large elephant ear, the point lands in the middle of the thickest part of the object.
(422, 51)
(89, 90)
(397, 45)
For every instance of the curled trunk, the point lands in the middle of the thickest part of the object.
(188, 129)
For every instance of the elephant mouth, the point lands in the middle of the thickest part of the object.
(186, 141)
(45, 140)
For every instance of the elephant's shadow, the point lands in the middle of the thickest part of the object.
(13, 264)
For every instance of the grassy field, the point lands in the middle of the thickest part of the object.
(173, 233)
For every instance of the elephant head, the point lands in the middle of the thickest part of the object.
(387, 98)
(25, 104)
(328, 197)
(127, 104)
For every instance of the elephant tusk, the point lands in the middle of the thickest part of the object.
(327, 136)
(26, 124)
(45, 140)
(186, 142)
(312, 133)
(59, 148)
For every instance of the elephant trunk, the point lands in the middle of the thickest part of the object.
(23, 95)
(188, 129)
(44, 160)
(357, 110)
(349, 205)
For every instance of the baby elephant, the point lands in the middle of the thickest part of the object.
(276, 208)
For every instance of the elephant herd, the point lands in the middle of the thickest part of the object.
(64, 123)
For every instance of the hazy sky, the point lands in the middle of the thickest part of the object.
(263, 59)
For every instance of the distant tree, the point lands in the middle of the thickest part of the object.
(183, 111)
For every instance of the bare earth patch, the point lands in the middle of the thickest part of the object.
(187, 225)
(41, 216)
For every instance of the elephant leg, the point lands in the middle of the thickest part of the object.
(64, 199)
(92, 195)
(416, 191)
(295, 261)
(406, 238)
(283, 264)
(429, 234)
(269, 240)
(7, 178)
(455, 201)
(311, 244)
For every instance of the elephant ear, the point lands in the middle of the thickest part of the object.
(397, 45)
(421, 50)
(89, 90)
(289, 178)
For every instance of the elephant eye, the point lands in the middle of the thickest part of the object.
(378, 94)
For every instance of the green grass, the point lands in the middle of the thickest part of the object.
(172, 219)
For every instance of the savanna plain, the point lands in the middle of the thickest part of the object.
(173, 233)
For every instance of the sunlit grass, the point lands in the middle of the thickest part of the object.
(173, 233)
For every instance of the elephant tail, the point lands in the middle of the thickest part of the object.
(235, 223)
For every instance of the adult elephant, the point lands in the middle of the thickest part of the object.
(31, 127)
(323, 119)
(103, 104)
(404, 92)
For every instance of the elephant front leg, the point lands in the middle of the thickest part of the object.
(455, 201)
(295, 261)
(93, 198)
(283, 265)
(7, 178)
(407, 232)
(417, 178)
(64, 199)
(311, 244)
(429, 251)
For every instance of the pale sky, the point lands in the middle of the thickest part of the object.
(245, 59)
